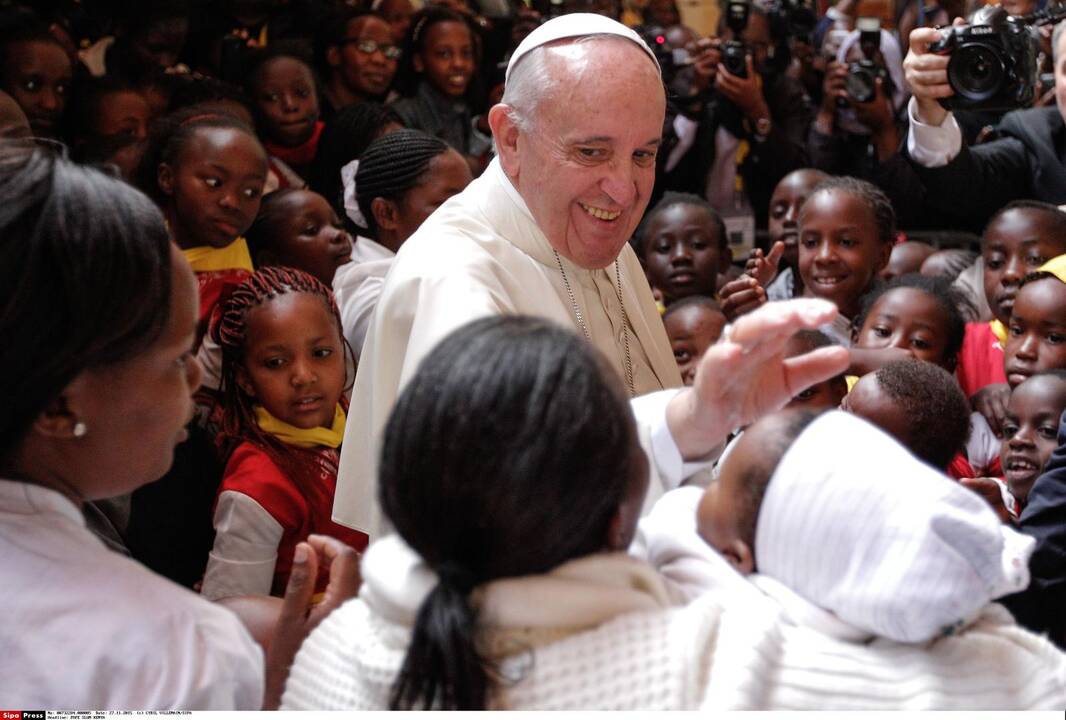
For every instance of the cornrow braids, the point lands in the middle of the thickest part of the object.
(392, 165)
(346, 137)
(171, 135)
(230, 332)
(875, 200)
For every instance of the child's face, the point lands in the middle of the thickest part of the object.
(909, 319)
(447, 59)
(294, 359)
(785, 204)
(869, 401)
(38, 76)
(310, 237)
(683, 253)
(448, 174)
(160, 44)
(215, 187)
(1017, 243)
(123, 113)
(840, 252)
(285, 94)
(366, 74)
(824, 395)
(691, 331)
(397, 13)
(1037, 337)
(1030, 431)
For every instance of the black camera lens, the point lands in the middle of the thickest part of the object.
(734, 58)
(976, 72)
(861, 85)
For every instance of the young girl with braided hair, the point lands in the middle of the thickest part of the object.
(283, 381)
(401, 179)
(206, 170)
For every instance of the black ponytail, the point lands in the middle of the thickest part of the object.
(507, 454)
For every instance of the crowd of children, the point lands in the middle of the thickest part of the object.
(284, 152)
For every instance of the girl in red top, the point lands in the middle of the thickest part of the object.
(283, 380)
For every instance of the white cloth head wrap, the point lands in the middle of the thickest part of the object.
(857, 526)
(573, 26)
(351, 204)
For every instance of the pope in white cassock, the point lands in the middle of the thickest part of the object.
(544, 232)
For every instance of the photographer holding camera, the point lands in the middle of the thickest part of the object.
(856, 127)
(736, 124)
(968, 184)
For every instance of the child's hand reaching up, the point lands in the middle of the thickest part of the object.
(740, 296)
(991, 401)
(298, 615)
(764, 267)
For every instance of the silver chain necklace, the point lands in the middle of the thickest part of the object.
(581, 320)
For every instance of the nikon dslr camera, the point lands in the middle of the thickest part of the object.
(993, 62)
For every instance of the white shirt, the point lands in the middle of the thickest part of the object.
(357, 288)
(84, 628)
(481, 254)
(932, 145)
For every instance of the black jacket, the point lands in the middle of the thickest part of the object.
(1028, 161)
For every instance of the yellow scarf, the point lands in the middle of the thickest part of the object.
(312, 437)
(1055, 266)
(234, 256)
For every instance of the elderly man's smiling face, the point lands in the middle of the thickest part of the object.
(586, 167)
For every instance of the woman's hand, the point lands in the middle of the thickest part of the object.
(298, 616)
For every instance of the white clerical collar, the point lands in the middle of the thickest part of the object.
(496, 167)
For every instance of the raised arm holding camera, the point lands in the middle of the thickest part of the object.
(856, 126)
(733, 111)
(988, 64)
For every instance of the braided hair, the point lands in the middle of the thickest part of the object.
(346, 137)
(392, 165)
(170, 137)
(230, 332)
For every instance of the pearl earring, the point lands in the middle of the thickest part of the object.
(80, 429)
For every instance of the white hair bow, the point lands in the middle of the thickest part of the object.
(351, 204)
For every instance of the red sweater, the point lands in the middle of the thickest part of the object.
(980, 359)
(302, 502)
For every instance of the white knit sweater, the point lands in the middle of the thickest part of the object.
(704, 656)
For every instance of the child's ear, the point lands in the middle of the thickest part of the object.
(333, 56)
(385, 212)
(725, 259)
(165, 178)
(244, 382)
(739, 555)
(882, 260)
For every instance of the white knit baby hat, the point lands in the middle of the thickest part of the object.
(856, 525)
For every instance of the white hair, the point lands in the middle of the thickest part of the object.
(532, 80)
